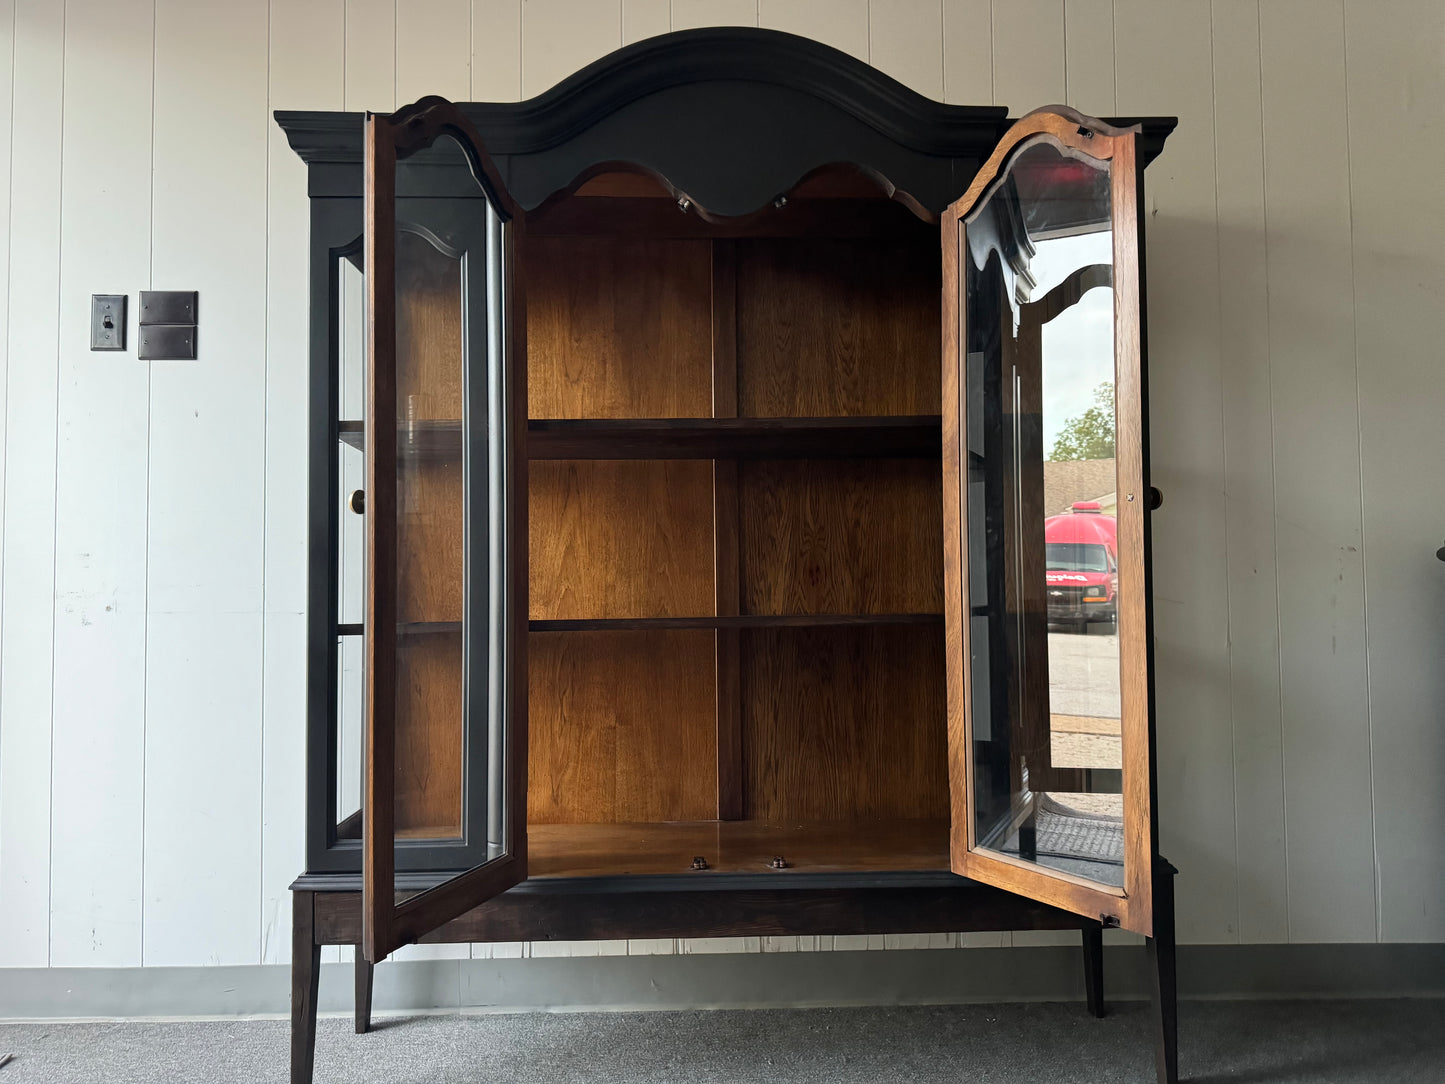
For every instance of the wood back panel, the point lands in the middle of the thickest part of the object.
(840, 536)
(621, 727)
(429, 736)
(621, 538)
(837, 327)
(844, 723)
(619, 327)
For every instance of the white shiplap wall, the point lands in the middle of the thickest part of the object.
(151, 591)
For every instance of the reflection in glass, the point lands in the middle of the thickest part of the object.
(449, 671)
(1043, 575)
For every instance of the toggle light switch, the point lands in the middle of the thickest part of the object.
(107, 321)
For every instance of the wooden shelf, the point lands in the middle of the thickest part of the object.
(406, 628)
(904, 436)
(892, 437)
(602, 850)
(743, 621)
(422, 440)
(622, 624)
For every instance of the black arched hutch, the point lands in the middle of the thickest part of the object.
(729, 515)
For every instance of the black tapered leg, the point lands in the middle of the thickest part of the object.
(305, 980)
(1093, 939)
(1163, 977)
(365, 970)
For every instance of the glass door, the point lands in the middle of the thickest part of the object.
(1044, 523)
(445, 513)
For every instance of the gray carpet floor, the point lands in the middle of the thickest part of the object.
(1329, 1042)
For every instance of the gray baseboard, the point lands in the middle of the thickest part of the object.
(729, 980)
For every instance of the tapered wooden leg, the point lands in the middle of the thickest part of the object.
(1164, 980)
(305, 980)
(1093, 939)
(365, 969)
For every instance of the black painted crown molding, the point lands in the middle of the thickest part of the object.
(727, 54)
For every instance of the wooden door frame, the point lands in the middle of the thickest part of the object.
(1132, 906)
(389, 924)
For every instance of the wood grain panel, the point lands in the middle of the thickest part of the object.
(619, 328)
(429, 535)
(602, 850)
(838, 536)
(616, 538)
(827, 328)
(621, 727)
(844, 723)
(428, 332)
(429, 741)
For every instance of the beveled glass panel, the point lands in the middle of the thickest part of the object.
(431, 370)
(449, 509)
(1042, 563)
(351, 542)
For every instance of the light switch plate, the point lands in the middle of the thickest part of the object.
(107, 321)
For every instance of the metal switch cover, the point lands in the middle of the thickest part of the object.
(107, 321)
(167, 325)
(167, 342)
(167, 307)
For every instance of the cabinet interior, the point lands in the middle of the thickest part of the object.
(734, 657)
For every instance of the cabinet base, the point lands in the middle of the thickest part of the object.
(574, 910)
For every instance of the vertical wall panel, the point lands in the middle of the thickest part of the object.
(1396, 124)
(27, 590)
(1164, 68)
(306, 71)
(1328, 817)
(644, 19)
(968, 52)
(1089, 56)
(560, 36)
(371, 55)
(433, 50)
(689, 14)
(905, 39)
(1028, 52)
(1253, 677)
(203, 659)
(101, 472)
(842, 24)
(496, 50)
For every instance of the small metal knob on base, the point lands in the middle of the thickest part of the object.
(357, 501)
(699, 862)
(778, 862)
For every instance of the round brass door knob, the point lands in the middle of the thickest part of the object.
(357, 501)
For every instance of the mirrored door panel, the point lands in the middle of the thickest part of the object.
(1049, 687)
